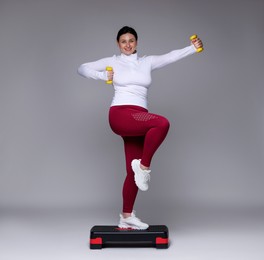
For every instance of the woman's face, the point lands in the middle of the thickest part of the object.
(127, 43)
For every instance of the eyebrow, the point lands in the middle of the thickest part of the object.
(131, 39)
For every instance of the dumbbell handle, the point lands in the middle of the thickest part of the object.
(193, 37)
(109, 81)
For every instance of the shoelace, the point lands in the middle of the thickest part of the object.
(134, 215)
(146, 177)
(138, 219)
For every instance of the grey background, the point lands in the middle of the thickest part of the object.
(57, 150)
(56, 146)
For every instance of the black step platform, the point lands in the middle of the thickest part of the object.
(112, 236)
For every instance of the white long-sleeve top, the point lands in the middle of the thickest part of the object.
(132, 74)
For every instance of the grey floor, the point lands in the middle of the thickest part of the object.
(195, 234)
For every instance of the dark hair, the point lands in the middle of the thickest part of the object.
(125, 30)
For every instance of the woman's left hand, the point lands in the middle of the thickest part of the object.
(197, 43)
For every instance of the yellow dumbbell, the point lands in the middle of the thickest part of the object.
(194, 37)
(109, 81)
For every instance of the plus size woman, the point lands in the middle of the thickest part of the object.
(142, 131)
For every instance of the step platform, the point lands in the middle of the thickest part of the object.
(113, 236)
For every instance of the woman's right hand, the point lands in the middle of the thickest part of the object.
(110, 74)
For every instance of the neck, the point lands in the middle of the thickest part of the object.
(132, 56)
(135, 51)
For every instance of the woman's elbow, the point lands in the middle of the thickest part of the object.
(81, 70)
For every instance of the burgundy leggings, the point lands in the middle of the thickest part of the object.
(142, 133)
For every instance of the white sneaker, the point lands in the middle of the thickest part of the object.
(141, 176)
(132, 222)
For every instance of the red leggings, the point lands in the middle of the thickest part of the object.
(142, 133)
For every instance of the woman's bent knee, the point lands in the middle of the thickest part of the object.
(165, 124)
